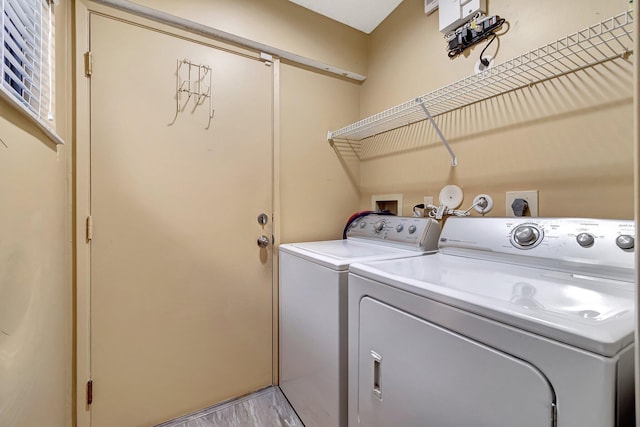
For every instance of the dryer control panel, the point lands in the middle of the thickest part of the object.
(602, 247)
(419, 234)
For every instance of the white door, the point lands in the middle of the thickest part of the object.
(413, 373)
(181, 294)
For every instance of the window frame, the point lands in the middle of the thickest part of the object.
(27, 68)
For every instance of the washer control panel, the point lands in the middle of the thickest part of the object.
(600, 235)
(406, 232)
(580, 243)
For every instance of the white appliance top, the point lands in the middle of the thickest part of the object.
(582, 296)
(338, 254)
(372, 238)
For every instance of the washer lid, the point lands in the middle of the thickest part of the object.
(590, 313)
(339, 254)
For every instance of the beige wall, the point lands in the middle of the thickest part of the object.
(319, 185)
(35, 297)
(35, 285)
(570, 138)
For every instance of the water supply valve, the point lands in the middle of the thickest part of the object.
(520, 207)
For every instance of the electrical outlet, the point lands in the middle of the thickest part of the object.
(530, 196)
(428, 200)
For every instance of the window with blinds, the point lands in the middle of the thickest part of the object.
(26, 48)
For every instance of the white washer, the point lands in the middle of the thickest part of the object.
(515, 322)
(313, 309)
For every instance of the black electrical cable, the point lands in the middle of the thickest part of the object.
(484, 61)
(499, 24)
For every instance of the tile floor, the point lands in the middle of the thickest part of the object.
(264, 408)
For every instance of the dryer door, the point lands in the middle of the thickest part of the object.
(413, 373)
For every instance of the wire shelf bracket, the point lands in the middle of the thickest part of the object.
(607, 40)
(454, 159)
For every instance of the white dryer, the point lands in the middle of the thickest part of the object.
(523, 322)
(313, 309)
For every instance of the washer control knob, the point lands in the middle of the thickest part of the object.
(625, 241)
(363, 224)
(525, 235)
(399, 228)
(412, 229)
(585, 240)
(378, 226)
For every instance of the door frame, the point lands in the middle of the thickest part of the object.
(81, 187)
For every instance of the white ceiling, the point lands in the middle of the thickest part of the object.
(363, 15)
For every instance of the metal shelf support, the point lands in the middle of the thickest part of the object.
(454, 159)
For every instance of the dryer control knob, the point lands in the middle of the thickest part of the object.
(399, 228)
(412, 229)
(585, 240)
(625, 241)
(378, 226)
(525, 235)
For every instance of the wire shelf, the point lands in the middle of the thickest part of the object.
(607, 40)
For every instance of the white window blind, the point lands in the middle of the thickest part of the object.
(26, 49)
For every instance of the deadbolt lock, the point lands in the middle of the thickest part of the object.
(263, 219)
